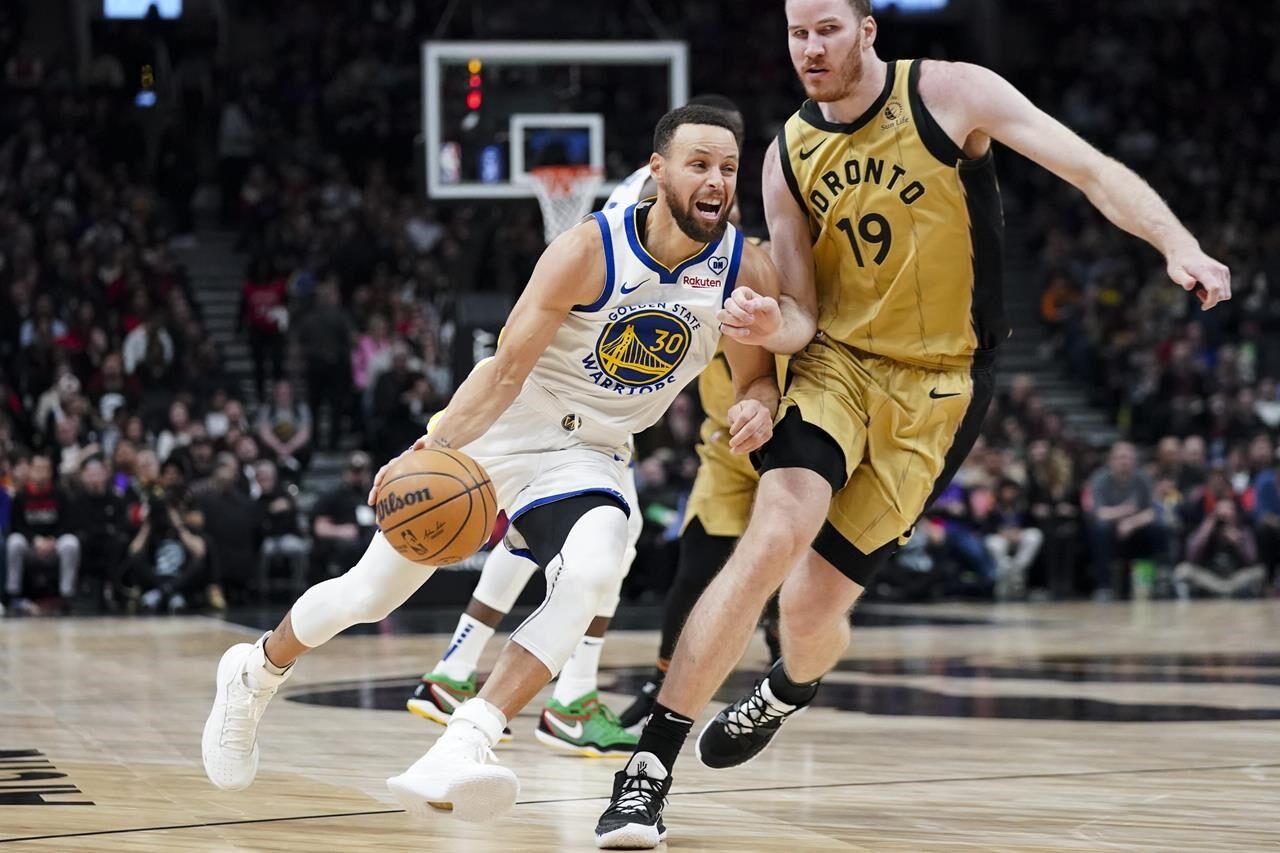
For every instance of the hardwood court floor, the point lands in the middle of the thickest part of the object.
(991, 728)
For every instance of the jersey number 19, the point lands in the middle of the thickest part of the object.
(874, 229)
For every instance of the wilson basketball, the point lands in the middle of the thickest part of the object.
(436, 507)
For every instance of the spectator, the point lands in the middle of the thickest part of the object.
(111, 388)
(232, 528)
(1222, 557)
(1120, 517)
(1266, 517)
(142, 345)
(178, 431)
(264, 315)
(70, 450)
(248, 455)
(281, 537)
(102, 527)
(398, 420)
(284, 428)
(370, 346)
(956, 543)
(343, 522)
(167, 557)
(42, 539)
(1012, 539)
(325, 337)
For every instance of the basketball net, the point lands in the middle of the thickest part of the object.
(565, 194)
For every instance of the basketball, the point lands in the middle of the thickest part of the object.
(436, 507)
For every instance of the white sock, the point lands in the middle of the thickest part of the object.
(261, 673)
(483, 716)
(578, 678)
(463, 655)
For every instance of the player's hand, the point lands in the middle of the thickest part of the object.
(750, 426)
(749, 317)
(1197, 272)
(372, 500)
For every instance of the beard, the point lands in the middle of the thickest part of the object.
(841, 79)
(694, 228)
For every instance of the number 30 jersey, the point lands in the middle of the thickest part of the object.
(907, 234)
(614, 366)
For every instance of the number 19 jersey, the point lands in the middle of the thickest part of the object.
(907, 234)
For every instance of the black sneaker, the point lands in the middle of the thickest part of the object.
(633, 716)
(633, 820)
(741, 731)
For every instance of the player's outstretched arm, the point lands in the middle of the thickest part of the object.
(570, 272)
(994, 107)
(749, 315)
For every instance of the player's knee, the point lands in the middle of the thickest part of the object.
(592, 555)
(368, 605)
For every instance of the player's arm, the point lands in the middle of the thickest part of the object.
(785, 324)
(994, 107)
(570, 272)
(756, 394)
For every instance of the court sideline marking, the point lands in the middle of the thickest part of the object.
(940, 780)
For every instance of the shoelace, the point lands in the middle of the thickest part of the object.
(239, 726)
(473, 748)
(754, 713)
(609, 717)
(638, 795)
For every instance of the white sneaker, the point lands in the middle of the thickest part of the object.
(460, 774)
(230, 742)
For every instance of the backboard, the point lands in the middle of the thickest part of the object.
(492, 110)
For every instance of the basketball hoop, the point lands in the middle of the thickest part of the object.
(565, 194)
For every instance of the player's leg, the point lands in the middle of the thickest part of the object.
(249, 674)
(581, 541)
(452, 680)
(574, 719)
(700, 557)
(814, 605)
(867, 519)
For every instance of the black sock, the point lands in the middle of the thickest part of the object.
(789, 691)
(664, 734)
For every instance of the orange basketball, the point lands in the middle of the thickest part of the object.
(436, 507)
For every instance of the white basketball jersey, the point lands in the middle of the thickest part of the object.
(628, 192)
(615, 365)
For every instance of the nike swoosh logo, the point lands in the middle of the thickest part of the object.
(633, 288)
(805, 155)
(675, 719)
(445, 698)
(934, 395)
(574, 731)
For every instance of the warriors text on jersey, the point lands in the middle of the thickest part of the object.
(907, 234)
(620, 361)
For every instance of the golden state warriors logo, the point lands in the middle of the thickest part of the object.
(643, 348)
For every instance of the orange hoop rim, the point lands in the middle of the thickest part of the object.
(560, 180)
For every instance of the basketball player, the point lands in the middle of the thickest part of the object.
(574, 719)
(881, 198)
(618, 316)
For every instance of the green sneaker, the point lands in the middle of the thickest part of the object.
(586, 727)
(437, 696)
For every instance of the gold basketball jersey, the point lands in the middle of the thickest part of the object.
(907, 234)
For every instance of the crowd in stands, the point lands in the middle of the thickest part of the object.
(136, 474)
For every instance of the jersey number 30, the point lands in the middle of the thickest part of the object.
(874, 229)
